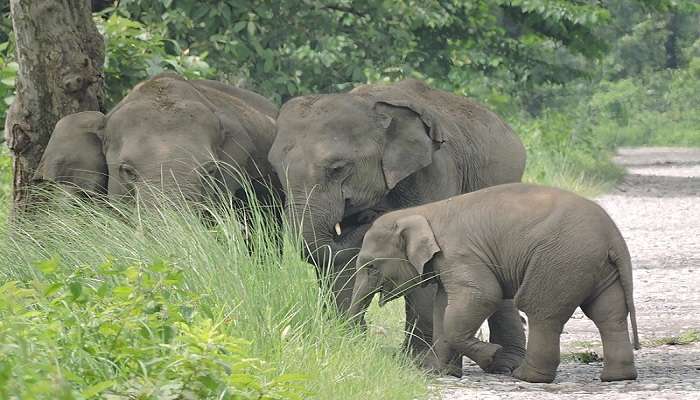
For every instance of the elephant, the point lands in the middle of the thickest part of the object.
(344, 159)
(548, 249)
(168, 133)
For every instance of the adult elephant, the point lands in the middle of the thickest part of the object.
(345, 159)
(167, 133)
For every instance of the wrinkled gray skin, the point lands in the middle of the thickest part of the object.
(169, 133)
(347, 158)
(548, 249)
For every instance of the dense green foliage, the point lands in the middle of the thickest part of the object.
(112, 316)
(123, 332)
(284, 49)
(136, 52)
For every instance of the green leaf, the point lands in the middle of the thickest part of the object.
(251, 28)
(159, 267)
(132, 273)
(52, 289)
(226, 11)
(49, 266)
(76, 289)
(122, 291)
(98, 388)
(239, 26)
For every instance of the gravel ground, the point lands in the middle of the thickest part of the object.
(657, 208)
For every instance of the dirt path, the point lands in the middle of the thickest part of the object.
(657, 208)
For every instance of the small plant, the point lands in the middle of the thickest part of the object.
(586, 357)
(686, 337)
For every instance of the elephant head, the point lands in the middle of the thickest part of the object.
(74, 156)
(394, 258)
(167, 133)
(338, 156)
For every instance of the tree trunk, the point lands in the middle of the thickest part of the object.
(671, 44)
(60, 55)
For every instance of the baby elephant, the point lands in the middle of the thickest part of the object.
(548, 249)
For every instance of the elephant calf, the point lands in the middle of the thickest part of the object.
(548, 249)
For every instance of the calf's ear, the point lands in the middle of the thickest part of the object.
(418, 239)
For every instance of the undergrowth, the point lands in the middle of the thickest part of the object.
(143, 325)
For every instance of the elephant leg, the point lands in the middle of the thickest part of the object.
(442, 357)
(609, 313)
(419, 319)
(464, 314)
(542, 357)
(506, 329)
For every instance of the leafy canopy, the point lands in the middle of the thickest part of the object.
(284, 48)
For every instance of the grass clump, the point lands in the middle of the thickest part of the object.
(247, 294)
(686, 337)
(586, 357)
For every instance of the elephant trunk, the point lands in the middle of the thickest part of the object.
(331, 239)
(319, 222)
(366, 285)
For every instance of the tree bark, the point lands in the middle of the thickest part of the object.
(60, 55)
(671, 44)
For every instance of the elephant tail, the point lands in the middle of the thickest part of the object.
(619, 254)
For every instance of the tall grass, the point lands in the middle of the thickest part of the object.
(271, 297)
(5, 183)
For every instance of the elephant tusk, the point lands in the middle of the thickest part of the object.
(337, 229)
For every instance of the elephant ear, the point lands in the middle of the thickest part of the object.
(74, 154)
(412, 134)
(246, 144)
(419, 241)
(247, 134)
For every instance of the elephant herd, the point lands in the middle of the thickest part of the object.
(378, 181)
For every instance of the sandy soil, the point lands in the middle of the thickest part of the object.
(657, 208)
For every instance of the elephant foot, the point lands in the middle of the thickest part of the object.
(504, 362)
(618, 373)
(486, 356)
(525, 372)
(432, 365)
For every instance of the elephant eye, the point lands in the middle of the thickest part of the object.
(128, 173)
(210, 168)
(338, 170)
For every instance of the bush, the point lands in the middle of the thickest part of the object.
(658, 108)
(122, 331)
(563, 152)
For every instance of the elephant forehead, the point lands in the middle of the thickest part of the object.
(328, 117)
(324, 138)
(148, 118)
(171, 151)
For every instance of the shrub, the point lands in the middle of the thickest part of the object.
(123, 331)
